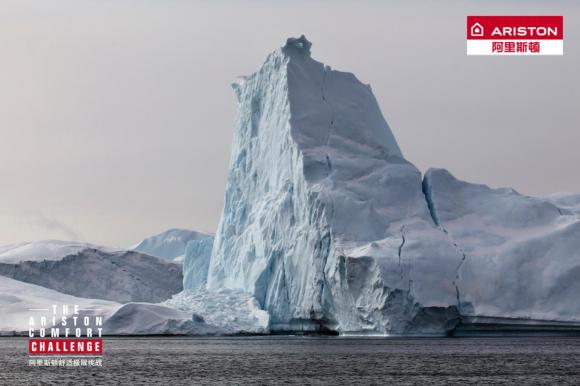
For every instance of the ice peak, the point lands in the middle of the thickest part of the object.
(301, 45)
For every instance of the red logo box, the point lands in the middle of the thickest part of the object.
(59, 346)
(515, 27)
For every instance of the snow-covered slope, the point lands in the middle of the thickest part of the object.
(44, 250)
(324, 221)
(121, 276)
(171, 244)
(522, 254)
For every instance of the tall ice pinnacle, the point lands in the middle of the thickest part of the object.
(323, 216)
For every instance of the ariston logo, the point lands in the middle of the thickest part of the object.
(515, 35)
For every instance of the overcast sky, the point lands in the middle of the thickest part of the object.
(116, 115)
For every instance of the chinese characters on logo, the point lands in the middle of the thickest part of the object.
(519, 47)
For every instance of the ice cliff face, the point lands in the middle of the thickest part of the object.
(196, 263)
(191, 248)
(325, 222)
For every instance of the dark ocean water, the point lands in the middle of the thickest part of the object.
(311, 360)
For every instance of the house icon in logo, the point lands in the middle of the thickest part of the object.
(476, 30)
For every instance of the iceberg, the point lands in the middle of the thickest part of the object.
(324, 220)
(330, 228)
(120, 276)
(326, 227)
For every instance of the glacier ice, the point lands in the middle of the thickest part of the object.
(228, 311)
(328, 226)
(171, 244)
(522, 254)
(196, 263)
(565, 201)
(324, 221)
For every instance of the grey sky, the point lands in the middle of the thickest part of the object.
(116, 115)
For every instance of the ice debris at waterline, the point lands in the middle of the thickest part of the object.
(225, 312)
(328, 226)
(229, 311)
